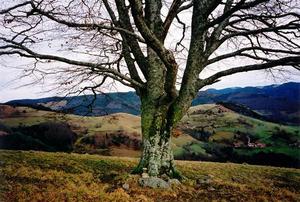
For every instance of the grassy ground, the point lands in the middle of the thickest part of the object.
(41, 176)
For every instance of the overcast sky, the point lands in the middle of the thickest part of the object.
(13, 88)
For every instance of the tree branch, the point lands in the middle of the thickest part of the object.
(239, 6)
(154, 42)
(131, 42)
(36, 10)
(238, 52)
(14, 7)
(173, 11)
(286, 61)
(94, 66)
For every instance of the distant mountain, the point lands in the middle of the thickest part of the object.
(102, 104)
(278, 103)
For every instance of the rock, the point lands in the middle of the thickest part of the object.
(145, 175)
(211, 189)
(235, 179)
(154, 182)
(125, 186)
(164, 177)
(174, 181)
(204, 180)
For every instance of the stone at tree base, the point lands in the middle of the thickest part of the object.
(211, 189)
(164, 177)
(145, 175)
(154, 182)
(204, 180)
(174, 181)
(125, 186)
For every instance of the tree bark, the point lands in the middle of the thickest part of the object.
(157, 154)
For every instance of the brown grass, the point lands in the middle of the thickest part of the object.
(41, 176)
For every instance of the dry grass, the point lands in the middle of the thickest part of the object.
(41, 176)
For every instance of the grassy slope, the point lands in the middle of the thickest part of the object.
(40, 176)
(224, 125)
(123, 121)
(90, 126)
(229, 122)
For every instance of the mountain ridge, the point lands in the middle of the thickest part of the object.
(277, 103)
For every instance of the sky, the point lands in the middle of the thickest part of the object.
(11, 87)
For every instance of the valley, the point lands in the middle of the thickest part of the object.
(209, 132)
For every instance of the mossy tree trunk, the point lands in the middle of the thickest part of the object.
(157, 154)
(159, 117)
(162, 106)
(157, 125)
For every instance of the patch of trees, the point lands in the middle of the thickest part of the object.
(106, 140)
(48, 136)
(283, 136)
(266, 158)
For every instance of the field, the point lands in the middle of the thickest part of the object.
(208, 132)
(88, 128)
(40, 176)
(230, 136)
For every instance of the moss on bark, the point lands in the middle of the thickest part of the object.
(157, 155)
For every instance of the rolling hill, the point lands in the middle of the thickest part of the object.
(209, 132)
(277, 103)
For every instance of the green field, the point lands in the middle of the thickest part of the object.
(220, 129)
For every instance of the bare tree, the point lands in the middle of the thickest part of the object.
(140, 43)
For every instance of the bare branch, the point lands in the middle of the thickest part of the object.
(35, 10)
(173, 11)
(14, 7)
(286, 61)
(239, 52)
(98, 68)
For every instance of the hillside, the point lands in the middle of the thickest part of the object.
(40, 176)
(116, 134)
(277, 103)
(209, 132)
(227, 136)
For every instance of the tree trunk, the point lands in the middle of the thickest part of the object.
(157, 154)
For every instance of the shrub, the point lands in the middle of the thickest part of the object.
(19, 141)
(56, 135)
